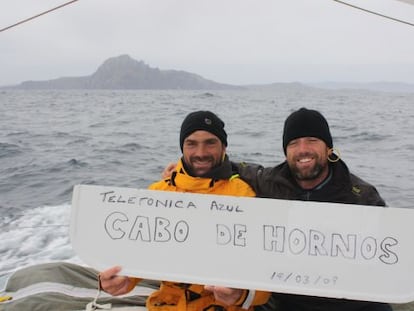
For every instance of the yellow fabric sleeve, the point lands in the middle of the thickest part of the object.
(260, 297)
(242, 298)
(132, 283)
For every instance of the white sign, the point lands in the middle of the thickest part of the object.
(310, 248)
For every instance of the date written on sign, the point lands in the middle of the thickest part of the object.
(304, 279)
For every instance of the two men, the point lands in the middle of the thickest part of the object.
(312, 171)
(203, 168)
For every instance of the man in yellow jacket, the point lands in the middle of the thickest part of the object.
(203, 168)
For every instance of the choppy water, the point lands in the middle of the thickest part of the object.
(52, 140)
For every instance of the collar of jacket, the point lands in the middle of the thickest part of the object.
(180, 178)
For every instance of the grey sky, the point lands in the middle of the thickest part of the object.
(229, 41)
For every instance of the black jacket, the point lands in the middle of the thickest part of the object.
(340, 187)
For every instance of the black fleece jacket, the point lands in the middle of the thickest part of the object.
(340, 187)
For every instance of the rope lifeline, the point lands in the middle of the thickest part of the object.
(375, 13)
(40, 14)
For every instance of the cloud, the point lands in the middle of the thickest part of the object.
(232, 41)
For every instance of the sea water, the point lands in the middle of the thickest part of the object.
(53, 140)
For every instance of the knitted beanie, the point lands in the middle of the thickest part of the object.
(202, 120)
(306, 123)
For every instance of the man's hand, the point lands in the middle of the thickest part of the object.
(112, 283)
(225, 295)
(168, 170)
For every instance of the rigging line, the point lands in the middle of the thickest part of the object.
(40, 14)
(375, 13)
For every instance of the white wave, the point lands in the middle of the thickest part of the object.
(39, 235)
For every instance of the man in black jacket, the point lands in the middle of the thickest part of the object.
(312, 172)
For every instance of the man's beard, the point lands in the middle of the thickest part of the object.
(196, 171)
(307, 174)
(311, 174)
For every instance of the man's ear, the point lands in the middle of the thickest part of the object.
(223, 154)
(333, 155)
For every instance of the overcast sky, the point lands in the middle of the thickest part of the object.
(228, 41)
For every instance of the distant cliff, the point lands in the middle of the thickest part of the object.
(123, 72)
(126, 73)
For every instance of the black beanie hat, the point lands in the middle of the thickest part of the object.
(203, 120)
(306, 123)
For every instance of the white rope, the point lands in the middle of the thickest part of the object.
(94, 305)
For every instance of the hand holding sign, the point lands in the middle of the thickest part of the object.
(113, 283)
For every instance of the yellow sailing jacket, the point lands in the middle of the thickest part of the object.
(192, 297)
(182, 182)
